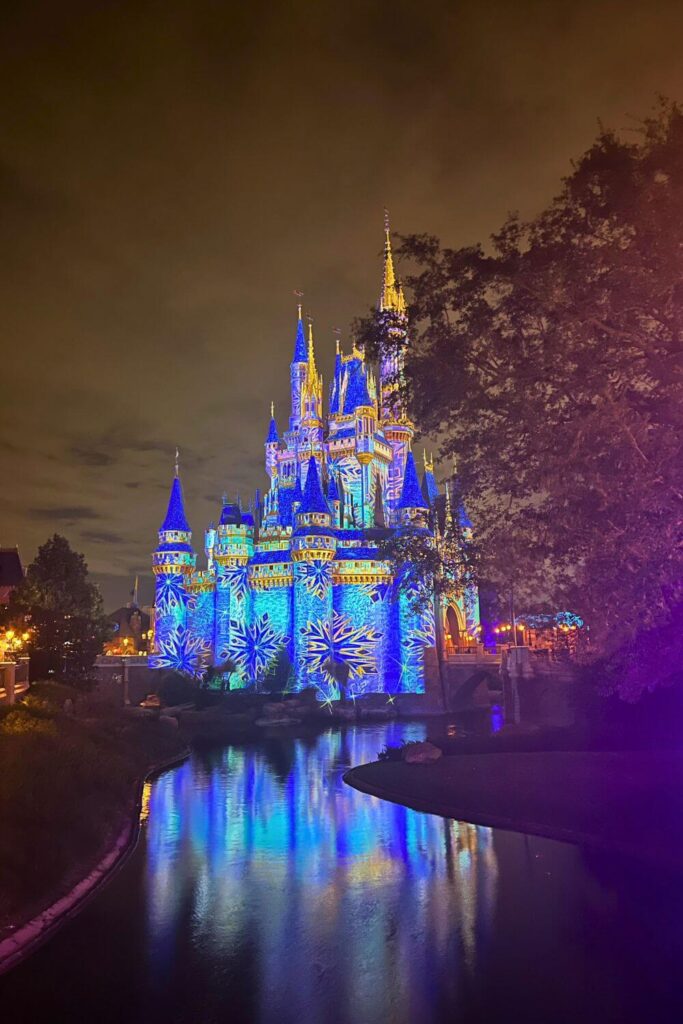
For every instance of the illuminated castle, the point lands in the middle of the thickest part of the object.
(302, 571)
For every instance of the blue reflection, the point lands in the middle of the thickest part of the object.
(342, 900)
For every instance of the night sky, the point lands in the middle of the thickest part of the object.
(171, 172)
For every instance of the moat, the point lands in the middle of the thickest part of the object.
(264, 889)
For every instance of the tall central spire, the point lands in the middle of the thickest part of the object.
(300, 342)
(392, 293)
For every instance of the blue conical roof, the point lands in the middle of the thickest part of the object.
(332, 490)
(313, 499)
(357, 387)
(430, 488)
(411, 495)
(272, 431)
(300, 350)
(175, 514)
(335, 393)
(297, 493)
(463, 518)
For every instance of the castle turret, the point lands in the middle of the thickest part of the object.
(429, 486)
(313, 549)
(172, 562)
(398, 430)
(272, 444)
(392, 312)
(297, 373)
(335, 387)
(311, 435)
(233, 548)
(412, 507)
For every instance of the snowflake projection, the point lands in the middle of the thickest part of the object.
(377, 592)
(254, 646)
(181, 650)
(237, 578)
(421, 636)
(355, 645)
(315, 576)
(170, 594)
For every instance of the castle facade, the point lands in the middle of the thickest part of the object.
(301, 570)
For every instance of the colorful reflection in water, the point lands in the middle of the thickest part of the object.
(352, 904)
(265, 891)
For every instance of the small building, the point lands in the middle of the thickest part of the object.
(131, 631)
(11, 573)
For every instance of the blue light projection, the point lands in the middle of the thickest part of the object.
(303, 572)
(350, 907)
(342, 641)
(253, 646)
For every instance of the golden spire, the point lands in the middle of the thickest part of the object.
(313, 384)
(392, 293)
(272, 410)
(428, 462)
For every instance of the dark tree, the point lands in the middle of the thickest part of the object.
(64, 610)
(549, 365)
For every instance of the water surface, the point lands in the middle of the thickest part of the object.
(265, 890)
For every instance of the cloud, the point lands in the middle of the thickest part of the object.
(102, 536)
(91, 456)
(63, 513)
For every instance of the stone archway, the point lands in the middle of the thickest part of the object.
(454, 628)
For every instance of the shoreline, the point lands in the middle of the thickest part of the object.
(436, 789)
(39, 929)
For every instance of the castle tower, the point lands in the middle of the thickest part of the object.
(412, 508)
(312, 404)
(233, 548)
(398, 429)
(172, 563)
(366, 427)
(313, 549)
(335, 386)
(429, 486)
(416, 627)
(297, 374)
(271, 445)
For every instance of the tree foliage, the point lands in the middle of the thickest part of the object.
(549, 364)
(64, 609)
(426, 569)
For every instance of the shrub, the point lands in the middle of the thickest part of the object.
(175, 688)
(279, 673)
(394, 752)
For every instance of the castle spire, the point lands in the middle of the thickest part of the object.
(311, 354)
(176, 519)
(272, 429)
(392, 293)
(313, 499)
(411, 495)
(300, 341)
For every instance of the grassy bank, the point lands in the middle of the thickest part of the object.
(629, 801)
(67, 787)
